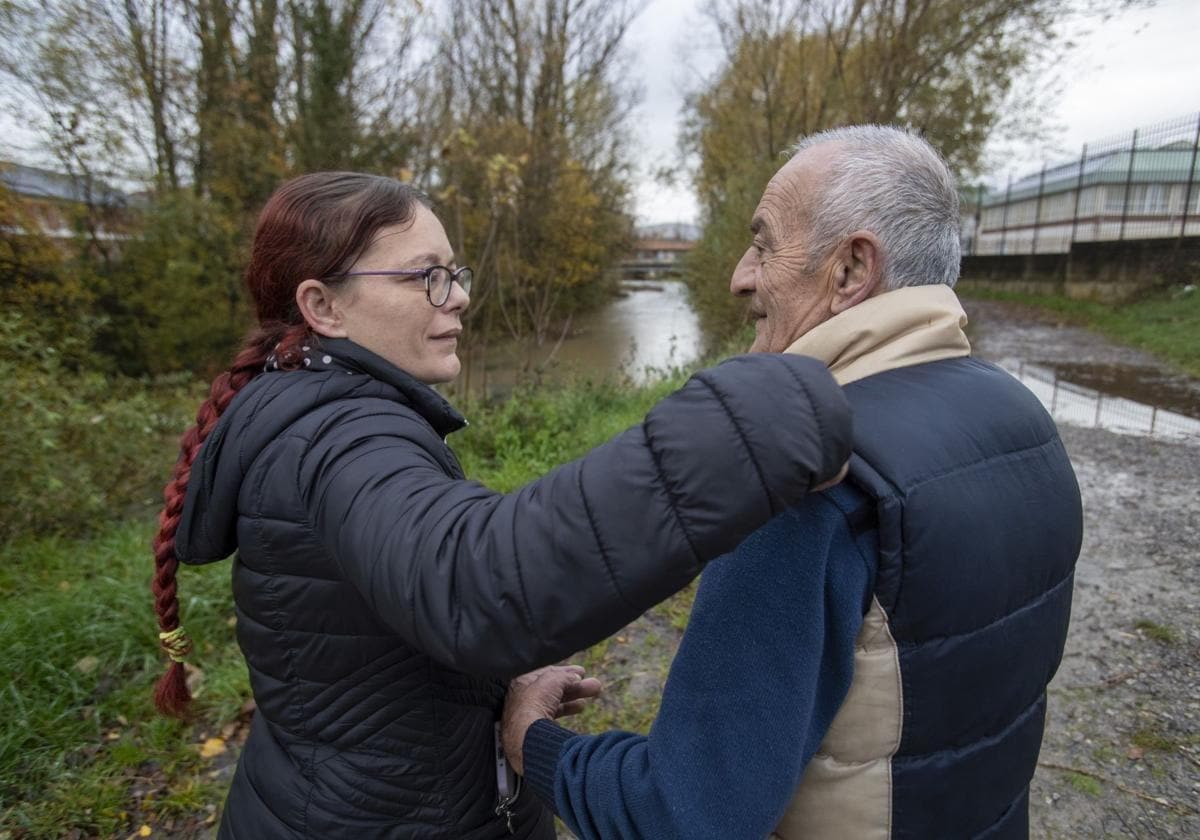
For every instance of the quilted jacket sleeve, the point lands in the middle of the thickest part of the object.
(498, 584)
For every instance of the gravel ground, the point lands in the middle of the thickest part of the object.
(1121, 756)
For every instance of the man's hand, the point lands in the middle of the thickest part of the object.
(550, 692)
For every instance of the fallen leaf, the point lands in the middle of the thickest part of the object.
(212, 747)
(621, 639)
(1135, 753)
(87, 664)
(121, 719)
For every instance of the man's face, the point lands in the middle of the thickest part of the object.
(786, 299)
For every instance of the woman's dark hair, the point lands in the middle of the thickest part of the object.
(311, 227)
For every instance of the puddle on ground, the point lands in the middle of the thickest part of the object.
(1147, 385)
(1120, 398)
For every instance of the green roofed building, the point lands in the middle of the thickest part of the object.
(1146, 186)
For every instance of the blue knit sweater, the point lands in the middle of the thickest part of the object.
(765, 664)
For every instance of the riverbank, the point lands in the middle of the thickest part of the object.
(1165, 323)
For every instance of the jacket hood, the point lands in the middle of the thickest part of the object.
(333, 369)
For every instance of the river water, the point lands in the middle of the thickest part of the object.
(649, 329)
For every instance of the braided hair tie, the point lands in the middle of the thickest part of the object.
(175, 643)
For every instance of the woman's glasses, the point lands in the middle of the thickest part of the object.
(438, 279)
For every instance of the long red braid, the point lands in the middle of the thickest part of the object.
(312, 227)
(171, 694)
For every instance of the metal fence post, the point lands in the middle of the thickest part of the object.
(1078, 196)
(978, 219)
(1037, 213)
(1004, 222)
(1128, 184)
(1191, 181)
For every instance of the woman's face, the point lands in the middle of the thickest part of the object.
(391, 316)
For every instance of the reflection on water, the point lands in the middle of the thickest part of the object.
(1152, 386)
(649, 329)
(1074, 403)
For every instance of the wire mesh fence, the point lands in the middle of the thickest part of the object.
(1144, 184)
(1077, 405)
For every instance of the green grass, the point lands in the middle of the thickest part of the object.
(1149, 738)
(1158, 632)
(81, 747)
(1085, 784)
(512, 442)
(78, 639)
(1165, 323)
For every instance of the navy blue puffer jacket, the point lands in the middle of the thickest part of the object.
(382, 599)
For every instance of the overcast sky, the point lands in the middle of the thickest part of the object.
(1137, 68)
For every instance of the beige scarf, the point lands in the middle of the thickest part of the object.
(900, 328)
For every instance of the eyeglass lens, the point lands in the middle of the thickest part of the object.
(441, 279)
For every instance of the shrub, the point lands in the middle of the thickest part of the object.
(80, 449)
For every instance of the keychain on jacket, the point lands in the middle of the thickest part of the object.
(508, 784)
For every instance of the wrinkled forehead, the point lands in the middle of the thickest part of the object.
(785, 203)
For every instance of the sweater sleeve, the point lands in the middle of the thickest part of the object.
(497, 584)
(765, 664)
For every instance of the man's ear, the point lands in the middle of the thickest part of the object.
(858, 270)
(317, 305)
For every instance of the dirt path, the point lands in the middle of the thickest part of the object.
(1125, 706)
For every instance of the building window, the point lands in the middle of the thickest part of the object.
(1114, 200)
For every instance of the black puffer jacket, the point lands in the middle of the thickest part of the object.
(382, 599)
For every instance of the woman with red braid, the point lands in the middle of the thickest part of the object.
(382, 599)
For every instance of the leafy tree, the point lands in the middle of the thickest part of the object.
(511, 115)
(532, 176)
(794, 67)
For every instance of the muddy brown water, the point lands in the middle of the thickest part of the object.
(1147, 385)
(649, 329)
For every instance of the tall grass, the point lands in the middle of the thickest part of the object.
(78, 646)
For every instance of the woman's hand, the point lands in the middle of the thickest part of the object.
(551, 692)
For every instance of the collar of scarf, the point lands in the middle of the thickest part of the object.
(343, 355)
(900, 328)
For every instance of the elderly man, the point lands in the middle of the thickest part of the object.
(875, 664)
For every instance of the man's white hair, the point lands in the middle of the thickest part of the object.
(894, 184)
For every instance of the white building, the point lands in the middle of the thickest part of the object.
(1140, 191)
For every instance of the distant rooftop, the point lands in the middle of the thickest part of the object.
(677, 231)
(1165, 154)
(1150, 166)
(32, 182)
